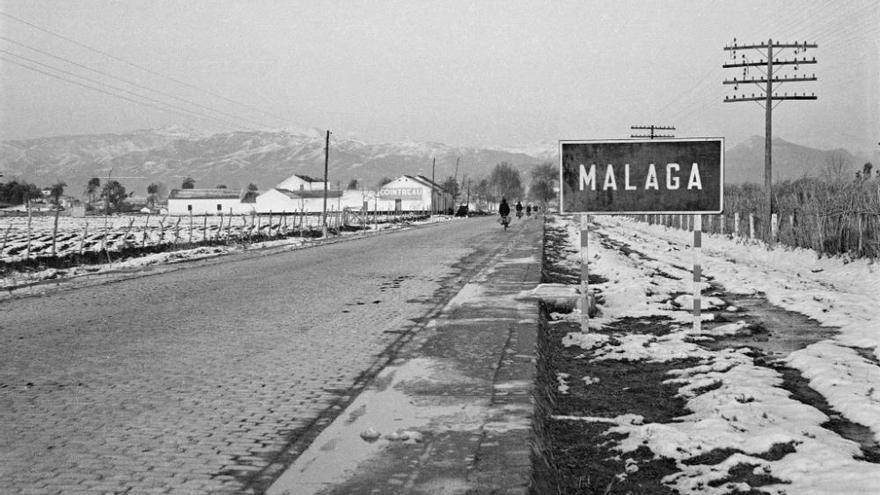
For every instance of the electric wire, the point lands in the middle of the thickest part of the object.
(140, 67)
(151, 102)
(167, 95)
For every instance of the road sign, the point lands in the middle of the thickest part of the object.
(642, 176)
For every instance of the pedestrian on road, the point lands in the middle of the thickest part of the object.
(504, 211)
(518, 209)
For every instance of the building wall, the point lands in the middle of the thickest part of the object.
(412, 195)
(202, 206)
(275, 201)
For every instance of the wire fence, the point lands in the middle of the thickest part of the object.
(832, 218)
(59, 241)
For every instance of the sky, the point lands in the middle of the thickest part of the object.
(467, 73)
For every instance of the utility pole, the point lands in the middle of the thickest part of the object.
(326, 161)
(652, 128)
(765, 64)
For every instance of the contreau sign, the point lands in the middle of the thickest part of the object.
(631, 176)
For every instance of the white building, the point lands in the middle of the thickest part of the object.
(280, 200)
(413, 193)
(299, 182)
(210, 202)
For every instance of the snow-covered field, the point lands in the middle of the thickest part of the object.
(16, 279)
(737, 403)
(75, 235)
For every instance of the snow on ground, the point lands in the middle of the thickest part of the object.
(739, 406)
(12, 280)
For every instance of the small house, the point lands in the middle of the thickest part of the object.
(210, 201)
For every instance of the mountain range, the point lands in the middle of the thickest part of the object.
(236, 159)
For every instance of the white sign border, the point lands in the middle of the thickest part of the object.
(664, 212)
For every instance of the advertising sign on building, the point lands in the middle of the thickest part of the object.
(642, 176)
(401, 193)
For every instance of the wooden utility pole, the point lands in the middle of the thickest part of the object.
(652, 128)
(767, 61)
(326, 162)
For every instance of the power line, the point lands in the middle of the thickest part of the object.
(146, 103)
(768, 79)
(168, 95)
(137, 66)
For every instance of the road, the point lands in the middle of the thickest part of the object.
(212, 378)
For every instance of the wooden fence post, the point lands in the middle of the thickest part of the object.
(55, 230)
(190, 226)
(28, 250)
(736, 224)
(774, 227)
(82, 240)
(269, 232)
(144, 237)
(859, 216)
(6, 237)
(219, 229)
(751, 226)
(176, 232)
(205, 229)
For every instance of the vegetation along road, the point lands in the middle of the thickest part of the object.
(212, 378)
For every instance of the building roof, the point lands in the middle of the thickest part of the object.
(307, 178)
(428, 182)
(331, 193)
(205, 194)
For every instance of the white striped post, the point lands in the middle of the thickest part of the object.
(585, 276)
(698, 241)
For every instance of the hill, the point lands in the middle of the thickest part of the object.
(236, 159)
(239, 158)
(745, 161)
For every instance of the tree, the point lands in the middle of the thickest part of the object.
(252, 187)
(545, 178)
(152, 192)
(352, 185)
(92, 188)
(383, 181)
(835, 167)
(482, 191)
(506, 182)
(452, 187)
(17, 193)
(114, 194)
(188, 183)
(56, 191)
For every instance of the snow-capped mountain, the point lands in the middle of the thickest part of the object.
(238, 158)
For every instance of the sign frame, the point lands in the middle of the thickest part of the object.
(720, 209)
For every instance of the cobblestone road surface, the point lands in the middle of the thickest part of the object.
(196, 381)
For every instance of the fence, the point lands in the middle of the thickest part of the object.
(63, 241)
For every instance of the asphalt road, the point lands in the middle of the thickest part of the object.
(209, 378)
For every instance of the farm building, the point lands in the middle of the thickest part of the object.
(298, 182)
(414, 193)
(210, 201)
(278, 200)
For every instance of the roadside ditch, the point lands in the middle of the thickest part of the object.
(577, 396)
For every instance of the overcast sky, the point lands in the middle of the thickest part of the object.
(509, 72)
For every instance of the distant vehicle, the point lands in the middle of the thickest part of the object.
(462, 211)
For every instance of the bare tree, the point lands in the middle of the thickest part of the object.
(835, 167)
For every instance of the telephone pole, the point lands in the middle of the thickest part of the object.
(326, 161)
(652, 128)
(765, 64)
(433, 166)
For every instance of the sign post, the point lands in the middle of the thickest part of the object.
(633, 177)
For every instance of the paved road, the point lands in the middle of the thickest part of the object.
(212, 378)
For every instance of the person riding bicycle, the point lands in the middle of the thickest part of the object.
(504, 211)
(518, 209)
